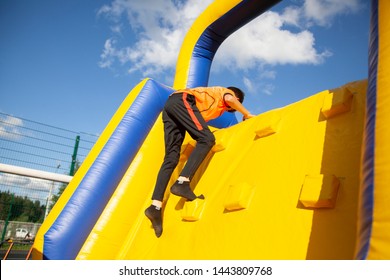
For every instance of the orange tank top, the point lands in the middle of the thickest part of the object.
(209, 100)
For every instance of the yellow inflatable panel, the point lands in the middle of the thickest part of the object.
(131, 196)
(254, 188)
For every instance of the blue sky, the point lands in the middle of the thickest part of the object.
(71, 63)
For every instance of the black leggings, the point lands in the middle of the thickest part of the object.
(180, 115)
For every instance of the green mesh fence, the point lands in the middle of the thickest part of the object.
(26, 201)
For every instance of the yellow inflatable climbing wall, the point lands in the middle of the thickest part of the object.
(283, 185)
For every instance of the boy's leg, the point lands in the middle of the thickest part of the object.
(173, 137)
(193, 122)
(199, 131)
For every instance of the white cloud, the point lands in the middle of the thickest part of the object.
(264, 41)
(116, 29)
(10, 128)
(36, 189)
(161, 27)
(248, 84)
(322, 12)
(14, 180)
(255, 86)
(272, 39)
(108, 55)
(291, 16)
(268, 74)
(268, 89)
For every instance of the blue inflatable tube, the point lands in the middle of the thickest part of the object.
(367, 189)
(209, 42)
(68, 233)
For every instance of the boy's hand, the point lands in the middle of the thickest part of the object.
(247, 116)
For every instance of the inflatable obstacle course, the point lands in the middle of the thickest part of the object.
(307, 181)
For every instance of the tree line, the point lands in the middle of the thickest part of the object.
(21, 209)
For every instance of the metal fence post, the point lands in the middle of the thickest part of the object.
(74, 156)
(8, 217)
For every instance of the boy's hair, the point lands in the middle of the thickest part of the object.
(239, 93)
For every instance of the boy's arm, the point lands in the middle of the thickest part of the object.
(236, 105)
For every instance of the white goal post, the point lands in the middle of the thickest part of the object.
(28, 172)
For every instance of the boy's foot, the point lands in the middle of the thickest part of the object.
(182, 188)
(154, 215)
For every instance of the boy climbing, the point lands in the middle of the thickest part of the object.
(188, 110)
